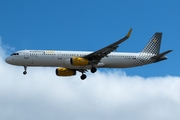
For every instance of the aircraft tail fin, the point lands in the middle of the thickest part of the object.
(154, 44)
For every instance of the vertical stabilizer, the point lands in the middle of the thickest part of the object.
(154, 44)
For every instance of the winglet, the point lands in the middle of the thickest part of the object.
(129, 33)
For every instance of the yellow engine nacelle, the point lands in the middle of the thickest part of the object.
(78, 61)
(65, 72)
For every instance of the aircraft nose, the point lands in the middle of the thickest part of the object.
(8, 60)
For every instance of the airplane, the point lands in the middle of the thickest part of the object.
(69, 62)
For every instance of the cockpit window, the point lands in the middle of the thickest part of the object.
(15, 54)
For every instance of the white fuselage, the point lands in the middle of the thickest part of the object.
(51, 58)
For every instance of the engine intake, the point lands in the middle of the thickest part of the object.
(65, 72)
(78, 61)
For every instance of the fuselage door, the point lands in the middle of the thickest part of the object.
(26, 55)
(59, 55)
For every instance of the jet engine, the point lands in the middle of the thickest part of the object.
(78, 61)
(65, 72)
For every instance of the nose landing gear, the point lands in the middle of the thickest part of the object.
(25, 70)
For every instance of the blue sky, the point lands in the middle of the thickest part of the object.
(91, 25)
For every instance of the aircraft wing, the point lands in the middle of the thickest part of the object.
(96, 56)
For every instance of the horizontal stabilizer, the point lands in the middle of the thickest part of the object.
(161, 55)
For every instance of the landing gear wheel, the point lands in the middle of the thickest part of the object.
(83, 76)
(93, 70)
(24, 72)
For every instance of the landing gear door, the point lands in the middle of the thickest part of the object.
(26, 55)
(59, 56)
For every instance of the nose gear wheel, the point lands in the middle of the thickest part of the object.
(25, 70)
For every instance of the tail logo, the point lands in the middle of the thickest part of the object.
(154, 40)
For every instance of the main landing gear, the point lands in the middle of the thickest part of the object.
(83, 76)
(25, 70)
(93, 70)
